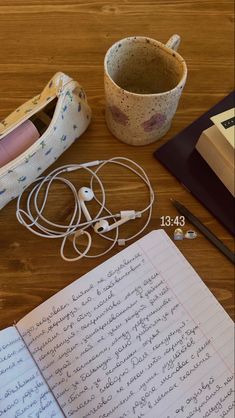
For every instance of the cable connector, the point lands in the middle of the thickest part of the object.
(121, 242)
(131, 214)
(92, 163)
(75, 167)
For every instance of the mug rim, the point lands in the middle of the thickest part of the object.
(168, 50)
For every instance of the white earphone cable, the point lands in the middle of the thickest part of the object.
(43, 227)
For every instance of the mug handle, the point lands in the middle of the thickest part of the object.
(173, 42)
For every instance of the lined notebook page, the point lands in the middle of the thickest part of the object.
(139, 336)
(23, 391)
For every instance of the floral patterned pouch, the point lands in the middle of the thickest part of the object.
(70, 118)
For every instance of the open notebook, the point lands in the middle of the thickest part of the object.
(138, 336)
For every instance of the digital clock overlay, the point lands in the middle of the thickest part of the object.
(167, 220)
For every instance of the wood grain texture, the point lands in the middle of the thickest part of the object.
(39, 38)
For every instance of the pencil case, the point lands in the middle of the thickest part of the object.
(66, 102)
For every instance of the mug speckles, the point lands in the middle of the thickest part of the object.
(143, 81)
(156, 121)
(118, 116)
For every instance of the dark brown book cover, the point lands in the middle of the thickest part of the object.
(182, 159)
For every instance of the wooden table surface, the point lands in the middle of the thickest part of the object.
(39, 38)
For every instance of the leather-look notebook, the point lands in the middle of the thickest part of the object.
(181, 158)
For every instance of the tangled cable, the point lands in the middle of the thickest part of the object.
(38, 224)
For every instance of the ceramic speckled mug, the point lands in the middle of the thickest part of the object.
(143, 81)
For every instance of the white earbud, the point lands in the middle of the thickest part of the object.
(85, 194)
(103, 225)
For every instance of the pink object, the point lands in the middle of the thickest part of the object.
(17, 141)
